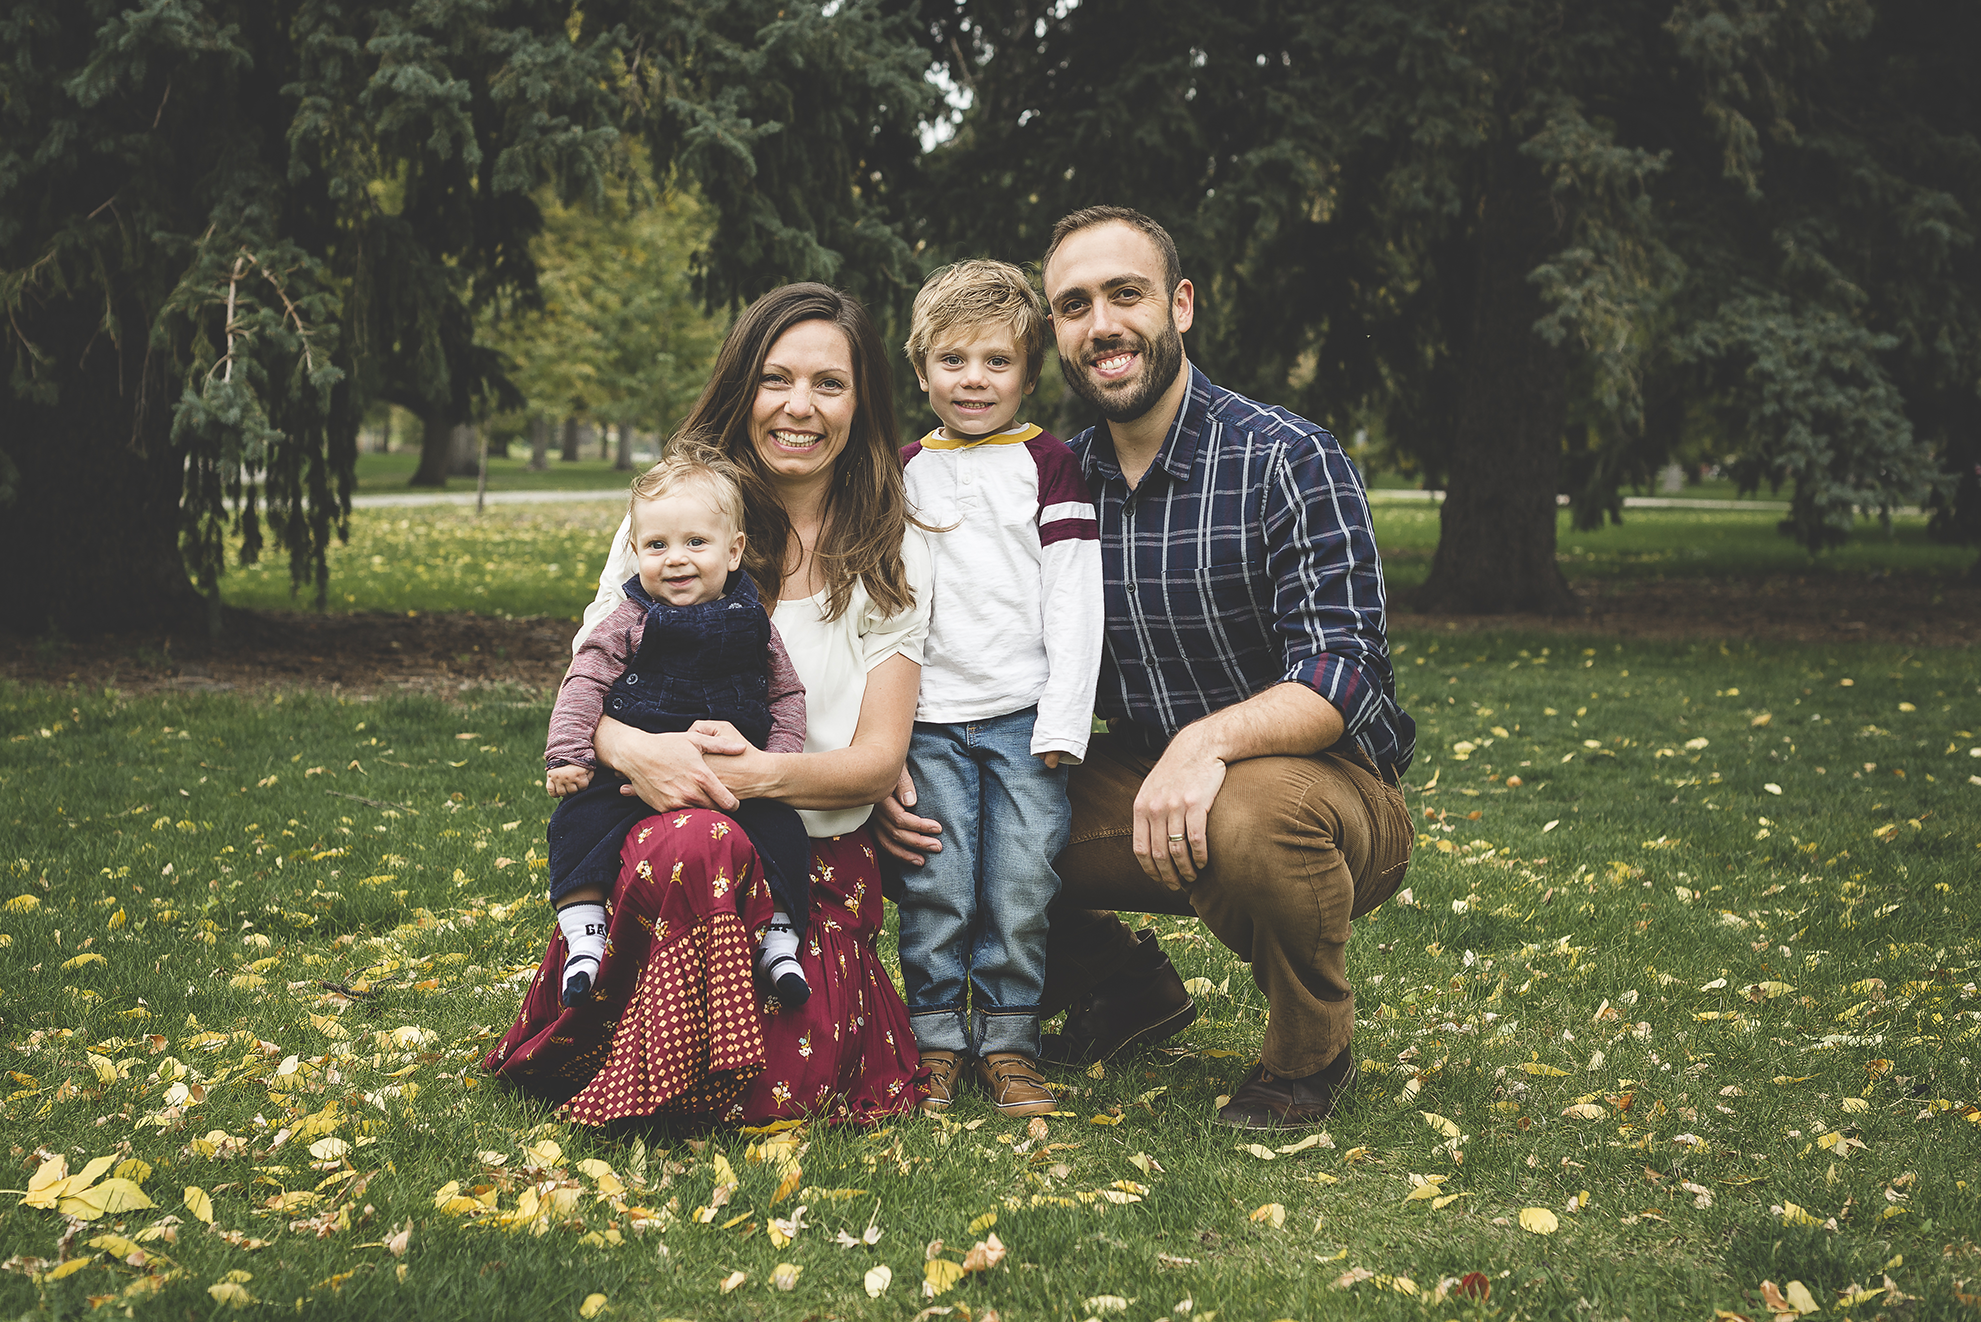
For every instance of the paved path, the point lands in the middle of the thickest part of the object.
(389, 499)
(1379, 496)
(1384, 495)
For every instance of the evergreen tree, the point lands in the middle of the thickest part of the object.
(227, 226)
(1470, 225)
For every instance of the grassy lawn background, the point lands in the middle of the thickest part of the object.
(1728, 912)
(545, 559)
(387, 474)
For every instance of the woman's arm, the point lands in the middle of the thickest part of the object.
(668, 770)
(863, 772)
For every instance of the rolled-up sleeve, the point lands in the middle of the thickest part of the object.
(1327, 579)
(883, 636)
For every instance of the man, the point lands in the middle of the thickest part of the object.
(1250, 773)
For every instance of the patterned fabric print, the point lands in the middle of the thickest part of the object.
(690, 1040)
(676, 1028)
(673, 1026)
(847, 1052)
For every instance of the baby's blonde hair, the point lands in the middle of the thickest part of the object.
(977, 295)
(714, 474)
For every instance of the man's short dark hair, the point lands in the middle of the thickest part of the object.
(1088, 217)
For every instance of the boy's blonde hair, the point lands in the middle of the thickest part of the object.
(714, 474)
(976, 295)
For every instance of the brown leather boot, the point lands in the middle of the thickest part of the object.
(945, 1067)
(1144, 1002)
(1015, 1084)
(1265, 1100)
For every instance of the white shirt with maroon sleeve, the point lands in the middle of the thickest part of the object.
(1018, 614)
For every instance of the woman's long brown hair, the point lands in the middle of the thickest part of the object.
(866, 513)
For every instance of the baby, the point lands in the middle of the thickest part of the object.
(691, 642)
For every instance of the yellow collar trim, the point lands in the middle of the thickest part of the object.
(940, 440)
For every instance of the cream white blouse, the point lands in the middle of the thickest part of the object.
(832, 657)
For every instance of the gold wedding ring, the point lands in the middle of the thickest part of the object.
(1173, 839)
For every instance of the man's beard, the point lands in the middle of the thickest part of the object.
(1161, 358)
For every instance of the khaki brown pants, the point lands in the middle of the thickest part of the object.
(1298, 847)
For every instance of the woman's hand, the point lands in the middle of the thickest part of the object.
(668, 770)
(751, 773)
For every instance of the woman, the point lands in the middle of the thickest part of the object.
(802, 403)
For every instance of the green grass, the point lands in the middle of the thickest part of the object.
(259, 849)
(1652, 543)
(544, 559)
(382, 474)
(510, 560)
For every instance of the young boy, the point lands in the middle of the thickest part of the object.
(691, 642)
(1008, 680)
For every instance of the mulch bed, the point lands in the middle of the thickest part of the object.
(444, 655)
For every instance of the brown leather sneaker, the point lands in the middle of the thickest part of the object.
(1015, 1084)
(1272, 1101)
(1142, 1004)
(944, 1067)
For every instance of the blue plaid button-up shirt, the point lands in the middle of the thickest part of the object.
(1244, 558)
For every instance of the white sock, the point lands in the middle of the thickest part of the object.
(583, 925)
(778, 958)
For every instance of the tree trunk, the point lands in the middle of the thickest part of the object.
(1496, 547)
(604, 443)
(467, 452)
(624, 463)
(539, 443)
(91, 539)
(436, 448)
(570, 455)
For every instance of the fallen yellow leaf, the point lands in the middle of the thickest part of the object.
(1439, 1123)
(1539, 1220)
(199, 1204)
(878, 1279)
(1273, 1212)
(594, 1305)
(938, 1275)
(231, 1293)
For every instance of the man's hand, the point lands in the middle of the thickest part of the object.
(667, 770)
(900, 832)
(1171, 812)
(567, 779)
(1050, 759)
(1175, 802)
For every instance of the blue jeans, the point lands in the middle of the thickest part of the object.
(973, 918)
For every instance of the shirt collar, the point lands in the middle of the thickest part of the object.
(1178, 454)
(940, 439)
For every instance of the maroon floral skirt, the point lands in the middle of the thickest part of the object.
(675, 1027)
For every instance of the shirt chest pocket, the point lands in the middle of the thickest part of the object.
(1228, 573)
